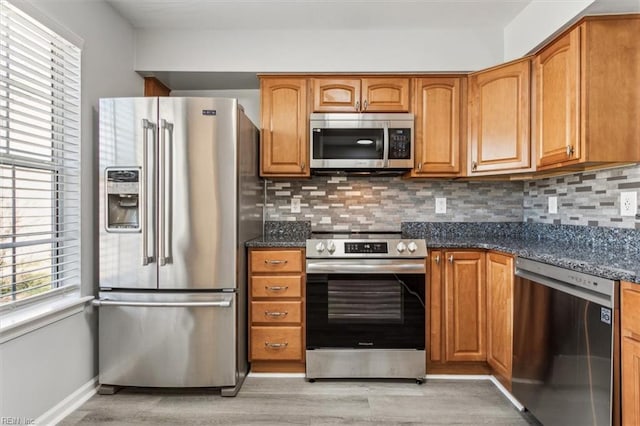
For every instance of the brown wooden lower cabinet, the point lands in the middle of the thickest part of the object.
(457, 312)
(276, 343)
(276, 310)
(630, 324)
(500, 279)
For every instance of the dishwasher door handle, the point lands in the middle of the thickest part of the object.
(568, 288)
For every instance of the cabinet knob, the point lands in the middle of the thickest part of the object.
(302, 166)
(364, 107)
(474, 166)
(569, 150)
(358, 106)
(437, 259)
(420, 166)
(451, 259)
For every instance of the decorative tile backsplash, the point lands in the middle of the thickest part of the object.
(339, 203)
(587, 198)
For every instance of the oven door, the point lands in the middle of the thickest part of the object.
(365, 304)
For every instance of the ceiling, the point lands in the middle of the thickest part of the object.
(327, 15)
(317, 14)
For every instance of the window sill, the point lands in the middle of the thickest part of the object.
(18, 322)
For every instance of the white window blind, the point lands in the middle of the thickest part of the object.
(39, 158)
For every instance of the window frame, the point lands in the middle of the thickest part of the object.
(64, 74)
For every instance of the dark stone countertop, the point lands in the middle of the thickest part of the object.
(269, 241)
(612, 264)
(616, 265)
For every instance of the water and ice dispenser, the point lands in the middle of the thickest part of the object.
(123, 199)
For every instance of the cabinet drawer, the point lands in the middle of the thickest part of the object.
(276, 261)
(276, 343)
(276, 286)
(276, 312)
(631, 310)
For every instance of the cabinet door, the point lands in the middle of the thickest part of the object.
(630, 381)
(630, 313)
(336, 95)
(500, 118)
(437, 126)
(436, 306)
(557, 101)
(465, 320)
(284, 141)
(500, 314)
(385, 94)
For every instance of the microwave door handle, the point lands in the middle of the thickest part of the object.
(385, 142)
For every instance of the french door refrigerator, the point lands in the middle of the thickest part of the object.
(179, 196)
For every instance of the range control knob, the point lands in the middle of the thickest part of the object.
(331, 247)
(412, 247)
(401, 247)
(320, 247)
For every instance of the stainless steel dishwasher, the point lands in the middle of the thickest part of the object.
(563, 369)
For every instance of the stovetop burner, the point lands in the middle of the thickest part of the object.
(364, 245)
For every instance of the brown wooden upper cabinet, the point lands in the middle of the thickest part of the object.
(353, 94)
(438, 116)
(499, 119)
(587, 101)
(284, 122)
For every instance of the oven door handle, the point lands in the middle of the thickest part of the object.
(361, 266)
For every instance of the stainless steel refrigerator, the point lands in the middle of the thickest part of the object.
(179, 197)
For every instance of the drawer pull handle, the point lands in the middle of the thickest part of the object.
(276, 314)
(276, 288)
(276, 345)
(275, 262)
(451, 259)
(437, 259)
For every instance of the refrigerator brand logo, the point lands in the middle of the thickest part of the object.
(605, 315)
(208, 112)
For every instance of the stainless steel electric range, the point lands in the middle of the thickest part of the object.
(365, 306)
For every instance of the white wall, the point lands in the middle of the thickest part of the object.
(318, 51)
(31, 382)
(248, 98)
(538, 22)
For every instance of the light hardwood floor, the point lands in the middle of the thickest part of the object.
(293, 401)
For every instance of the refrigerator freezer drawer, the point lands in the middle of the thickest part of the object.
(167, 340)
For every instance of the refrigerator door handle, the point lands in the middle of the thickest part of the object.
(144, 206)
(165, 191)
(219, 304)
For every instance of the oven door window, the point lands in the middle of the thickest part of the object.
(385, 311)
(348, 144)
(356, 301)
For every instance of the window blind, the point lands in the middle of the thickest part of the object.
(39, 158)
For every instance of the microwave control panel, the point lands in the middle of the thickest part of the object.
(399, 144)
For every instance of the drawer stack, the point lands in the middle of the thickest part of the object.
(276, 310)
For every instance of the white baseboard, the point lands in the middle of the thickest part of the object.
(68, 405)
(506, 393)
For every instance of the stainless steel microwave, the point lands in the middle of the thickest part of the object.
(361, 141)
